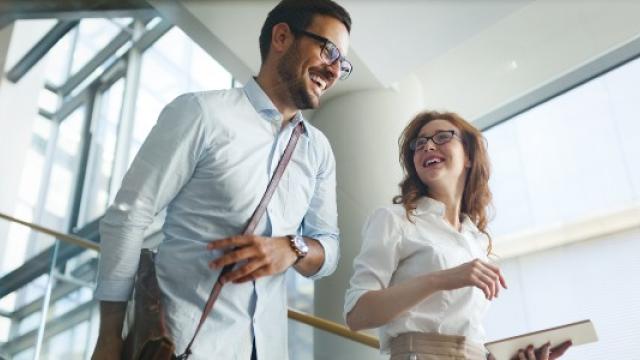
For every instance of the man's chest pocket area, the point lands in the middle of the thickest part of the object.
(296, 190)
(231, 177)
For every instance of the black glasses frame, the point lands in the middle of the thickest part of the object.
(413, 145)
(326, 44)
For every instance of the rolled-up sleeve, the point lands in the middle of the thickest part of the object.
(164, 164)
(321, 220)
(378, 258)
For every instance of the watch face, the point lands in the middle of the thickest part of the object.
(301, 244)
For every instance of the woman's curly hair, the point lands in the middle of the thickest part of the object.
(476, 197)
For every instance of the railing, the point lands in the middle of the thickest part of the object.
(314, 321)
(64, 237)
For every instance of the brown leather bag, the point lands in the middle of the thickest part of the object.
(148, 338)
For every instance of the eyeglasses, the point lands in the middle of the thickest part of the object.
(439, 138)
(329, 53)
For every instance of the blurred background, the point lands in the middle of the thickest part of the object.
(554, 85)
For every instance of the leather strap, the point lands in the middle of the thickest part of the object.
(249, 229)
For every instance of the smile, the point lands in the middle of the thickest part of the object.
(431, 161)
(318, 81)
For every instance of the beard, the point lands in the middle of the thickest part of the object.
(294, 84)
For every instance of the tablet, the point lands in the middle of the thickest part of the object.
(580, 332)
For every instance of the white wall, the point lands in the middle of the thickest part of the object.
(595, 279)
(363, 128)
(522, 52)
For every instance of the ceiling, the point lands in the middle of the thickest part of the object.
(397, 37)
(474, 56)
(389, 40)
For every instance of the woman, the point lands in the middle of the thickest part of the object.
(422, 273)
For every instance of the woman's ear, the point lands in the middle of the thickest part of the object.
(467, 162)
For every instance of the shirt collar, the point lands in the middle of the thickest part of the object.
(264, 106)
(427, 205)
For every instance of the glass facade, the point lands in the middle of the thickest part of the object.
(571, 157)
(568, 159)
(82, 144)
(102, 153)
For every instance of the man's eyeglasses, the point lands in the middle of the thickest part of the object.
(329, 53)
(439, 138)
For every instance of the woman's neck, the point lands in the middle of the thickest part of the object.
(452, 201)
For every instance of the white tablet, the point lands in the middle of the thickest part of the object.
(580, 332)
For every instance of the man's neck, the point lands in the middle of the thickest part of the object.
(276, 92)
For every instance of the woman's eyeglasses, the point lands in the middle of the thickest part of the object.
(439, 138)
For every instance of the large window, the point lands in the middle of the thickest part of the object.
(172, 66)
(93, 117)
(571, 157)
(568, 160)
(92, 35)
(102, 153)
(64, 171)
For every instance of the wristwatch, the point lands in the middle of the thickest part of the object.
(299, 245)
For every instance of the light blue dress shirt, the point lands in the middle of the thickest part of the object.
(208, 161)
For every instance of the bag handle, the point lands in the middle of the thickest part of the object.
(249, 229)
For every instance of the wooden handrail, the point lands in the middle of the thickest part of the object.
(334, 328)
(314, 321)
(62, 236)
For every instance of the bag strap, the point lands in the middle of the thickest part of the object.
(251, 226)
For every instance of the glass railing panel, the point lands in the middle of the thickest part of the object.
(64, 294)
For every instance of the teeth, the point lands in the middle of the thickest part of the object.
(432, 161)
(318, 81)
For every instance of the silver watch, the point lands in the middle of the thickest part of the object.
(299, 245)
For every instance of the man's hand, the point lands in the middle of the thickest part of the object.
(264, 256)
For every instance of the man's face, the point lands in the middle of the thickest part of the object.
(302, 69)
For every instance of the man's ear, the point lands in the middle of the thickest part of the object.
(281, 38)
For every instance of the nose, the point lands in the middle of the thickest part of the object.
(430, 145)
(334, 69)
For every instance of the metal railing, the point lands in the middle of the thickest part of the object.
(311, 320)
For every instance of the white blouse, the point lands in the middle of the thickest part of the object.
(395, 250)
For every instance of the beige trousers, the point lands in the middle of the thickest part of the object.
(430, 346)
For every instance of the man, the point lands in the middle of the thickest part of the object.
(208, 161)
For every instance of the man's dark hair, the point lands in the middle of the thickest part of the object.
(298, 14)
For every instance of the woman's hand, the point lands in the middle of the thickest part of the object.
(543, 353)
(485, 276)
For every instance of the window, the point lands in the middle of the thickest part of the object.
(118, 113)
(98, 190)
(571, 158)
(172, 66)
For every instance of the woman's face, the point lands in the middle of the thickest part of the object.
(440, 165)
